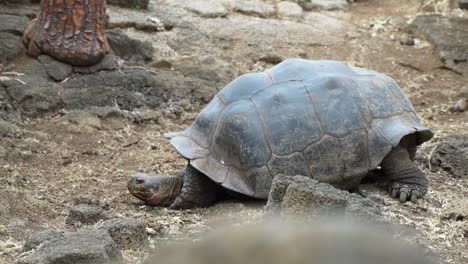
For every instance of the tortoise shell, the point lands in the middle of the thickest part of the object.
(322, 119)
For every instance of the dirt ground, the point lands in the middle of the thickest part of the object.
(57, 161)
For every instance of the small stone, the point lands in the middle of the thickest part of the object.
(398, 22)
(206, 8)
(314, 199)
(405, 39)
(272, 58)
(323, 4)
(10, 46)
(127, 233)
(58, 70)
(85, 214)
(151, 231)
(145, 116)
(8, 129)
(377, 199)
(83, 119)
(288, 9)
(81, 247)
(459, 106)
(254, 8)
(13, 24)
(449, 36)
(463, 92)
(89, 200)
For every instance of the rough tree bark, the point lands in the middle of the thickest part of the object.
(69, 30)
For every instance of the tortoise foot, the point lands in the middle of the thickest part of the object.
(407, 192)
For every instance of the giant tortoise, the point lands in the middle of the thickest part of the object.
(322, 119)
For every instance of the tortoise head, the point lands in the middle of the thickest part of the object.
(155, 189)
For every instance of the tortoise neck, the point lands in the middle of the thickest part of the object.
(169, 189)
(173, 186)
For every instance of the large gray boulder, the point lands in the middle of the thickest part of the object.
(13, 24)
(450, 155)
(134, 51)
(449, 36)
(10, 46)
(81, 247)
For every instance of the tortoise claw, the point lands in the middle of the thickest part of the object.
(403, 197)
(406, 192)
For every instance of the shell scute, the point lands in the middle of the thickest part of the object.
(239, 138)
(288, 115)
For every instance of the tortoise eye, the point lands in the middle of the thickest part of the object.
(139, 181)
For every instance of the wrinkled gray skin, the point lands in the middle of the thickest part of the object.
(321, 119)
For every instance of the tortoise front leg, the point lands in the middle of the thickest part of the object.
(198, 190)
(407, 181)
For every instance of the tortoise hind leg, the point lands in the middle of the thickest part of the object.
(407, 181)
(197, 191)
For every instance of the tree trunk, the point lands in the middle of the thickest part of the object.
(69, 30)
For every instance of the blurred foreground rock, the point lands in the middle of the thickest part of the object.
(299, 195)
(320, 242)
(133, 51)
(81, 247)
